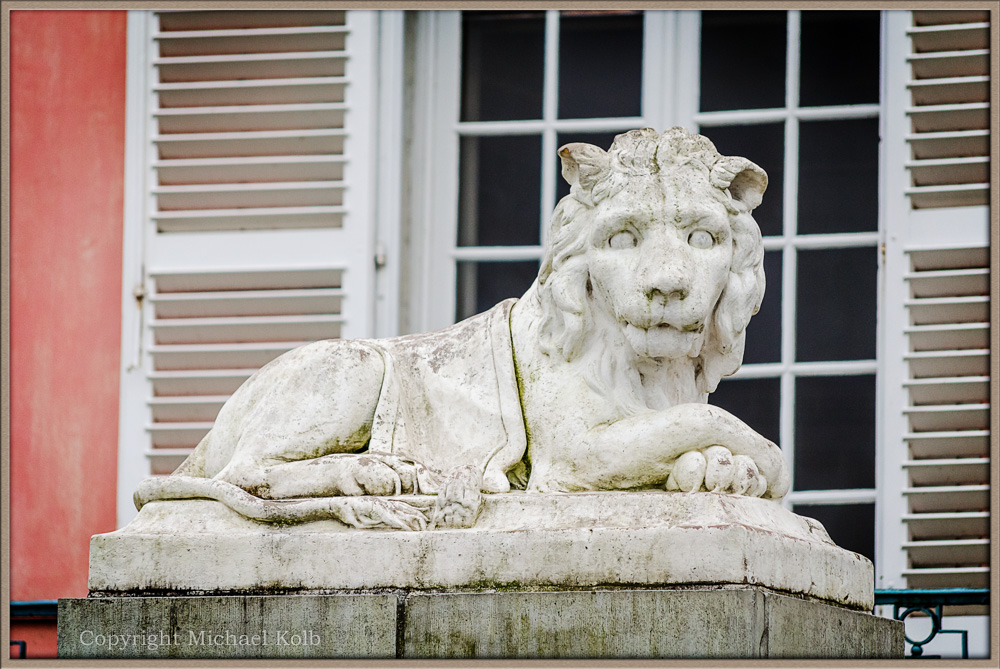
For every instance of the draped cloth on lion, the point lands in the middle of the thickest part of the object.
(450, 398)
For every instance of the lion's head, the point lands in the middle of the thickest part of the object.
(655, 252)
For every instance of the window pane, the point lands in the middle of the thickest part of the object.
(601, 139)
(840, 58)
(502, 56)
(480, 285)
(754, 401)
(600, 64)
(764, 331)
(851, 526)
(838, 176)
(834, 432)
(764, 145)
(835, 305)
(500, 191)
(742, 60)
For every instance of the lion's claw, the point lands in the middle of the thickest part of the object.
(367, 513)
(716, 469)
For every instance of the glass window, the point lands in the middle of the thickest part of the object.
(600, 64)
(834, 432)
(742, 60)
(835, 304)
(838, 176)
(493, 168)
(502, 56)
(840, 58)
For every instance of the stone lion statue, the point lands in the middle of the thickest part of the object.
(596, 379)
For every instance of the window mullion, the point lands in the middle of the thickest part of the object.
(550, 110)
(786, 416)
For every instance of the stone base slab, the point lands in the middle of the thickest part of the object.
(521, 541)
(696, 622)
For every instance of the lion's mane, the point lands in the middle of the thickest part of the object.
(563, 285)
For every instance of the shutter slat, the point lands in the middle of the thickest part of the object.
(948, 525)
(954, 471)
(950, 90)
(951, 144)
(321, 141)
(948, 577)
(950, 37)
(953, 444)
(948, 498)
(954, 390)
(256, 92)
(948, 336)
(181, 20)
(258, 169)
(947, 553)
(233, 355)
(947, 64)
(948, 171)
(931, 418)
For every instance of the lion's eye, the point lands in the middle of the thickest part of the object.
(701, 239)
(623, 240)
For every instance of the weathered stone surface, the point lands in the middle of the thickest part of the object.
(521, 540)
(356, 625)
(689, 622)
(603, 624)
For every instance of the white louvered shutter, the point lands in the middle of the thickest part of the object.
(936, 399)
(256, 140)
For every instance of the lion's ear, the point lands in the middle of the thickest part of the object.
(583, 165)
(745, 180)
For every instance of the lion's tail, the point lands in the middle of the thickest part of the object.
(344, 509)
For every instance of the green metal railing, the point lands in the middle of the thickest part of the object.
(931, 602)
(41, 609)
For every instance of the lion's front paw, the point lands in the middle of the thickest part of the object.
(716, 469)
(460, 499)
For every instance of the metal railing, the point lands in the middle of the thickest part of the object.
(42, 609)
(931, 602)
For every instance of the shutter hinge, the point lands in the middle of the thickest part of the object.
(139, 292)
(380, 256)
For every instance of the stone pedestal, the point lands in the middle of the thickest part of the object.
(603, 575)
(696, 622)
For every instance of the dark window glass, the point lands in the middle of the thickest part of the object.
(764, 332)
(600, 64)
(838, 176)
(840, 59)
(835, 305)
(834, 432)
(480, 285)
(601, 139)
(754, 401)
(851, 526)
(500, 192)
(502, 56)
(742, 60)
(764, 145)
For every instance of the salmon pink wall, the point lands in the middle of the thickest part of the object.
(67, 146)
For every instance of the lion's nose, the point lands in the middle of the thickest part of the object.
(668, 283)
(667, 295)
